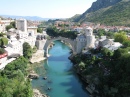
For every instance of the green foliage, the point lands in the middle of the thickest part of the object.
(126, 43)
(109, 73)
(110, 35)
(34, 49)
(54, 32)
(101, 32)
(2, 34)
(8, 27)
(12, 80)
(106, 52)
(12, 25)
(27, 50)
(117, 14)
(120, 37)
(3, 41)
(39, 30)
(2, 51)
(119, 52)
(81, 65)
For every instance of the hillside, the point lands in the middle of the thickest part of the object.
(74, 17)
(117, 13)
(99, 4)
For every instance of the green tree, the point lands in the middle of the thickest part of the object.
(2, 50)
(13, 24)
(2, 34)
(106, 52)
(120, 37)
(101, 32)
(110, 35)
(3, 41)
(39, 30)
(12, 79)
(82, 65)
(34, 49)
(9, 27)
(126, 43)
(27, 50)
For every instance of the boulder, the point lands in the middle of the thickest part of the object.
(33, 76)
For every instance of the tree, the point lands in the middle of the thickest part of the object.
(82, 65)
(119, 52)
(14, 81)
(34, 49)
(101, 32)
(12, 25)
(3, 41)
(2, 34)
(2, 50)
(39, 30)
(126, 43)
(9, 27)
(106, 52)
(110, 35)
(120, 37)
(27, 50)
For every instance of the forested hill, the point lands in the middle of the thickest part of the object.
(102, 11)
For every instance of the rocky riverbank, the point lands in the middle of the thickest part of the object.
(38, 56)
(37, 93)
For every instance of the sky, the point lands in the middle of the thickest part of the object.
(44, 8)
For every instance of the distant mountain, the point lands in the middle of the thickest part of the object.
(27, 17)
(110, 12)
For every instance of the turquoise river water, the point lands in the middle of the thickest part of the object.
(61, 77)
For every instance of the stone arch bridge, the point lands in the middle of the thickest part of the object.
(71, 42)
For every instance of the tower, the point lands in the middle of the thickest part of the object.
(21, 24)
(90, 38)
(80, 42)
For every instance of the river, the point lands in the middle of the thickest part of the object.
(61, 77)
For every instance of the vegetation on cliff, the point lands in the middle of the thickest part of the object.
(115, 12)
(14, 81)
(109, 75)
(115, 15)
(107, 71)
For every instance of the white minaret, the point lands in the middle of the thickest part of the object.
(21, 24)
(90, 38)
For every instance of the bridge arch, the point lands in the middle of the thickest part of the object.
(66, 40)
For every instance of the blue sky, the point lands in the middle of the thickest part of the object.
(44, 8)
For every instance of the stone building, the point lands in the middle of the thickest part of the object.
(21, 24)
(85, 40)
(32, 29)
